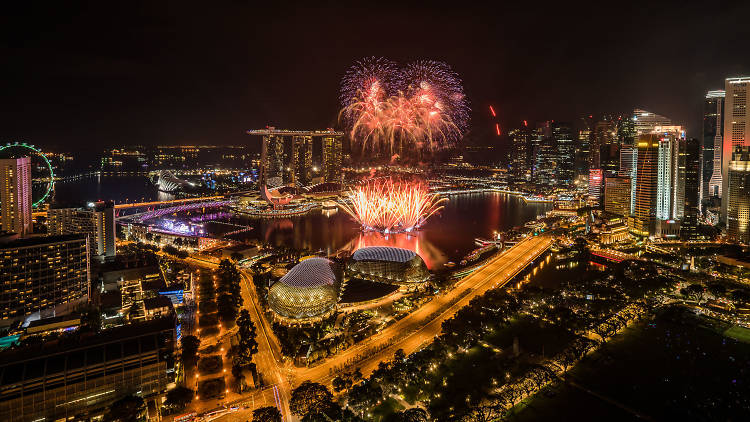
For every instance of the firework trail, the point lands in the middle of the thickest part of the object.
(391, 206)
(422, 105)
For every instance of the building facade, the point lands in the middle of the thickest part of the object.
(565, 153)
(15, 195)
(738, 198)
(104, 221)
(76, 381)
(693, 178)
(617, 195)
(43, 273)
(332, 159)
(98, 224)
(736, 127)
(520, 155)
(644, 213)
(596, 181)
(713, 129)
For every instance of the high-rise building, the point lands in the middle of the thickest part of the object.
(15, 195)
(97, 223)
(332, 159)
(644, 213)
(736, 127)
(520, 154)
(272, 161)
(713, 127)
(617, 195)
(43, 273)
(302, 147)
(603, 136)
(628, 163)
(647, 122)
(104, 221)
(738, 198)
(565, 152)
(625, 130)
(670, 185)
(77, 380)
(596, 179)
(692, 202)
(583, 147)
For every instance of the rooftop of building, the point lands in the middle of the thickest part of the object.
(312, 272)
(41, 240)
(87, 340)
(157, 302)
(383, 253)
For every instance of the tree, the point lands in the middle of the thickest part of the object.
(190, 345)
(157, 239)
(266, 414)
(236, 256)
(179, 397)
(693, 291)
(227, 308)
(127, 409)
(415, 414)
(149, 236)
(310, 398)
(178, 242)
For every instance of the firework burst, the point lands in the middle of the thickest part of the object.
(391, 206)
(422, 105)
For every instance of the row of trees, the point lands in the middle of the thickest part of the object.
(242, 354)
(229, 291)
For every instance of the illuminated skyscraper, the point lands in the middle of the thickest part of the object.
(628, 162)
(272, 161)
(644, 214)
(670, 185)
(104, 221)
(646, 121)
(520, 155)
(617, 195)
(301, 171)
(596, 179)
(565, 152)
(736, 127)
(738, 198)
(693, 164)
(15, 195)
(332, 162)
(713, 127)
(603, 136)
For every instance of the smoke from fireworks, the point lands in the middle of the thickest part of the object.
(422, 105)
(391, 206)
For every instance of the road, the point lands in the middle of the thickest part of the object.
(409, 334)
(421, 326)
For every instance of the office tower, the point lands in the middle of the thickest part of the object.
(738, 198)
(565, 152)
(625, 130)
(736, 127)
(602, 137)
(537, 138)
(15, 195)
(78, 380)
(583, 147)
(644, 212)
(670, 185)
(104, 220)
(272, 161)
(617, 195)
(713, 127)
(596, 177)
(301, 165)
(40, 273)
(647, 122)
(520, 154)
(693, 175)
(545, 155)
(628, 162)
(332, 154)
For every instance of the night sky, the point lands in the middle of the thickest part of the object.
(82, 77)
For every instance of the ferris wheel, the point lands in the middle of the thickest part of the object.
(42, 172)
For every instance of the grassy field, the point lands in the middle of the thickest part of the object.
(738, 333)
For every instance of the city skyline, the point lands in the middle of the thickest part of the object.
(124, 71)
